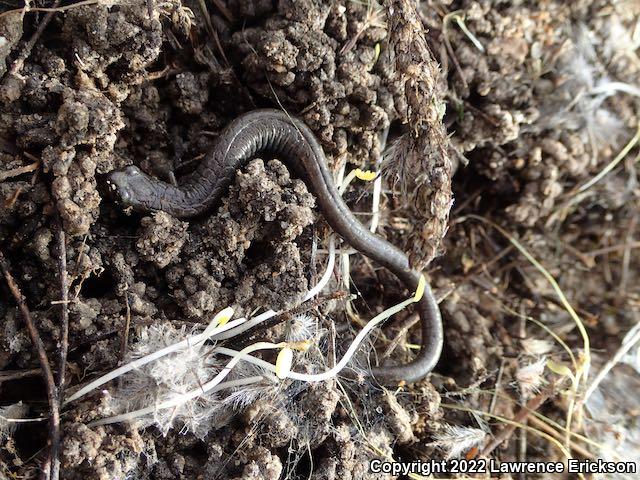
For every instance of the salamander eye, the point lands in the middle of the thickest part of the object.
(124, 195)
(132, 171)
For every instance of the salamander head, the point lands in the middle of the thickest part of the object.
(130, 187)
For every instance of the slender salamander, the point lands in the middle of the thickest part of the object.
(290, 140)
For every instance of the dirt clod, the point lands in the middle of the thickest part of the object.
(493, 127)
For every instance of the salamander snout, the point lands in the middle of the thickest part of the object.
(128, 185)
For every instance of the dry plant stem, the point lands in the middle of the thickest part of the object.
(14, 172)
(522, 443)
(377, 184)
(421, 164)
(613, 248)
(344, 182)
(52, 9)
(540, 425)
(539, 417)
(331, 348)
(630, 340)
(494, 397)
(9, 375)
(369, 21)
(124, 342)
(190, 341)
(26, 50)
(546, 436)
(52, 466)
(578, 194)
(224, 10)
(288, 315)
(64, 311)
(531, 406)
(447, 44)
(626, 256)
(554, 284)
(611, 165)
(404, 328)
(212, 31)
(13, 198)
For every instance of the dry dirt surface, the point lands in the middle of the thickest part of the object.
(505, 136)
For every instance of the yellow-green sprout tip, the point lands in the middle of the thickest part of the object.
(422, 284)
(284, 363)
(365, 175)
(223, 317)
(301, 346)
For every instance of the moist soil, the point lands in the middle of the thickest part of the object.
(513, 106)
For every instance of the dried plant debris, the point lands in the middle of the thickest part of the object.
(419, 160)
(551, 96)
(455, 440)
(508, 108)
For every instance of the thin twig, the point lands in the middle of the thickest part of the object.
(52, 466)
(539, 433)
(522, 448)
(224, 10)
(9, 375)
(9, 202)
(541, 425)
(626, 256)
(124, 342)
(612, 164)
(24, 10)
(494, 398)
(404, 328)
(531, 406)
(242, 338)
(64, 310)
(212, 31)
(14, 172)
(630, 340)
(447, 44)
(613, 248)
(331, 349)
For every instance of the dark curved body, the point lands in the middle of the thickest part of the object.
(274, 132)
